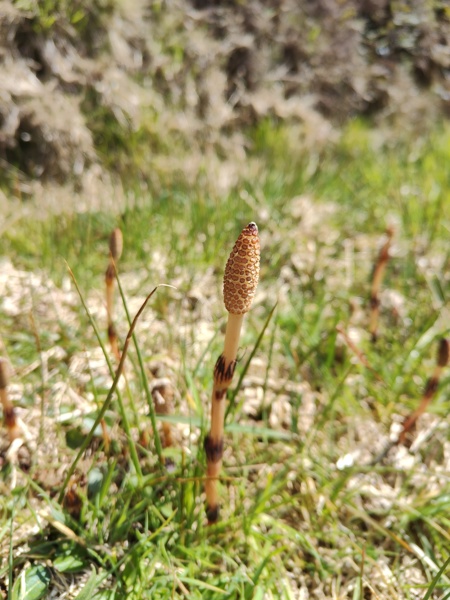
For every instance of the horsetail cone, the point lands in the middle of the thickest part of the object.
(239, 287)
(116, 244)
(115, 252)
(242, 272)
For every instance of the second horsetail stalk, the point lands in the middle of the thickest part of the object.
(430, 389)
(115, 252)
(378, 273)
(239, 286)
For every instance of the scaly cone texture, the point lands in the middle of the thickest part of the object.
(115, 252)
(9, 414)
(242, 272)
(239, 286)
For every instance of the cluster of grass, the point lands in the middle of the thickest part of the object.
(305, 512)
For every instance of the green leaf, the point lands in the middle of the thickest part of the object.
(104, 595)
(95, 481)
(74, 438)
(93, 581)
(31, 584)
(79, 15)
(69, 564)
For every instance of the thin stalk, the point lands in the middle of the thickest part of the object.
(122, 411)
(223, 374)
(266, 410)
(109, 397)
(148, 394)
(127, 313)
(115, 252)
(378, 273)
(431, 388)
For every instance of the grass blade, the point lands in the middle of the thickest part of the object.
(89, 588)
(116, 377)
(148, 394)
(436, 579)
(108, 399)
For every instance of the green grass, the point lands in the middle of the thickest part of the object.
(297, 518)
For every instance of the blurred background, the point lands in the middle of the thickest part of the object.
(111, 95)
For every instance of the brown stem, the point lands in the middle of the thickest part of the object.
(223, 375)
(430, 389)
(9, 413)
(377, 279)
(115, 252)
(112, 334)
(162, 394)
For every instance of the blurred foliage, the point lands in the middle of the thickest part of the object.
(183, 79)
(85, 17)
